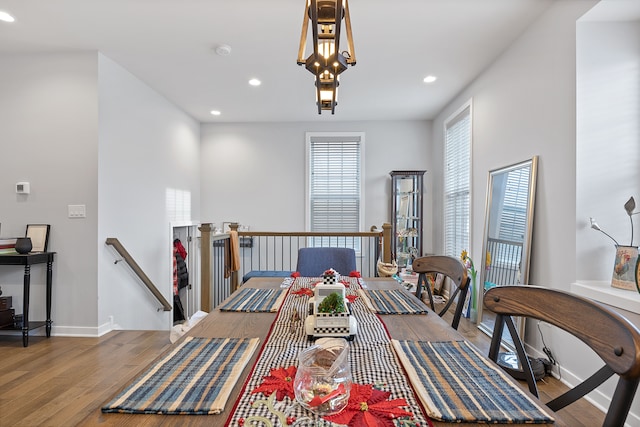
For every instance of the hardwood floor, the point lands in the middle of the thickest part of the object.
(63, 381)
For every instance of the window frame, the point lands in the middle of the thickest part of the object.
(465, 110)
(337, 137)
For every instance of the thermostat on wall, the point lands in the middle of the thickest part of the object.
(23, 188)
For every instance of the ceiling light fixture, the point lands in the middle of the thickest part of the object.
(326, 62)
(4, 16)
(215, 112)
(223, 50)
(255, 82)
(430, 79)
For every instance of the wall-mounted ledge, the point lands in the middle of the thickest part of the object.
(603, 292)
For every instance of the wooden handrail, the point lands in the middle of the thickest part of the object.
(138, 271)
(307, 233)
(207, 238)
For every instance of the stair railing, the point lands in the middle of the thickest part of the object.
(112, 241)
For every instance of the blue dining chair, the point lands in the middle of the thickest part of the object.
(312, 262)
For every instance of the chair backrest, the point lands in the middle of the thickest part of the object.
(450, 267)
(610, 335)
(312, 262)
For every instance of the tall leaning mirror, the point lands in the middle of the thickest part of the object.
(507, 234)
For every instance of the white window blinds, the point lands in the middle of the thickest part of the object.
(334, 183)
(457, 170)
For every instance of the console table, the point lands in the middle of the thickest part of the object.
(27, 260)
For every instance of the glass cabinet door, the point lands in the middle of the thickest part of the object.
(406, 215)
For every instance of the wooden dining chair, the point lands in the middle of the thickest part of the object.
(312, 262)
(610, 335)
(453, 269)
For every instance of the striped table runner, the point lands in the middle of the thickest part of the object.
(456, 384)
(255, 300)
(372, 358)
(195, 378)
(393, 301)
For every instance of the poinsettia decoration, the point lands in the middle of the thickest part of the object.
(352, 298)
(303, 291)
(345, 283)
(295, 274)
(369, 407)
(279, 380)
(355, 274)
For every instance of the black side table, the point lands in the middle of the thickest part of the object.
(27, 260)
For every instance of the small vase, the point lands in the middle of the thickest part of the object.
(474, 309)
(23, 245)
(624, 268)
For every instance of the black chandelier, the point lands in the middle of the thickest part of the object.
(326, 62)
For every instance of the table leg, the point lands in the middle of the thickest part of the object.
(25, 305)
(49, 286)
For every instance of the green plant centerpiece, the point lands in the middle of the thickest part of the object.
(332, 303)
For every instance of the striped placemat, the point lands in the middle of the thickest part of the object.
(393, 301)
(457, 384)
(195, 378)
(255, 300)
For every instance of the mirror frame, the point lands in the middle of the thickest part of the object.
(526, 244)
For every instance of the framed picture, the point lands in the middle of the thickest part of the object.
(39, 234)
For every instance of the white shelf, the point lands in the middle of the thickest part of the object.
(603, 292)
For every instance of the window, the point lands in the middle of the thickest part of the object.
(457, 181)
(334, 181)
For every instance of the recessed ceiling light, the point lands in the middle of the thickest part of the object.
(255, 82)
(4, 16)
(430, 79)
(215, 112)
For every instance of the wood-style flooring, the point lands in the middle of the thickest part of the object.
(63, 381)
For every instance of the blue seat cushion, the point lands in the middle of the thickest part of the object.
(312, 262)
(265, 273)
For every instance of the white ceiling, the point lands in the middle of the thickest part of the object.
(170, 45)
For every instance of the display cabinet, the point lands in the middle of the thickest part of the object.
(406, 215)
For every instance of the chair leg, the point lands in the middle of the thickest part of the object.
(422, 280)
(621, 402)
(522, 356)
(459, 306)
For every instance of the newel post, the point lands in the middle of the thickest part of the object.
(205, 267)
(386, 242)
(234, 273)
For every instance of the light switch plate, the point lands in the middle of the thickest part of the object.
(77, 211)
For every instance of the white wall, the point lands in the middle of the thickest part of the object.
(608, 70)
(147, 146)
(255, 173)
(49, 137)
(82, 130)
(525, 105)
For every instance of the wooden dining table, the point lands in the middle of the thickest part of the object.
(218, 324)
